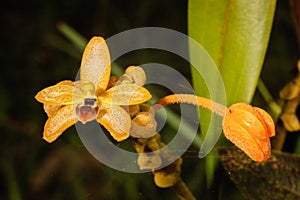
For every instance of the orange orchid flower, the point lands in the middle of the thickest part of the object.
(89, 98)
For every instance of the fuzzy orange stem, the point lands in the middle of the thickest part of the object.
(217, 108)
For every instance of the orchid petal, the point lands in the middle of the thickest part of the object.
(95, 64)
(58, 123)
(66, 82)
(51, 109)
(59, 94)
(268, 121)
(125, 94)
(116, 120)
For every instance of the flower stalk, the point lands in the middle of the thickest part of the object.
(217, 108)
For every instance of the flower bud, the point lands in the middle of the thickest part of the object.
(137, 75)
(249, 128)
(168, 176)
(143, 125)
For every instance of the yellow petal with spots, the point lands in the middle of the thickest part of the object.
(116, 120)
(58, 123)
(95, 64)
(51, 109)
(59, 95)
(125, 94)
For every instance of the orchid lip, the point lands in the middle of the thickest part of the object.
(88, 111)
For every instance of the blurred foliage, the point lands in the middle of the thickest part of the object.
(35, 54)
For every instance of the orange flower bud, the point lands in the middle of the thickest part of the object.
(143, 125)
(249, 128)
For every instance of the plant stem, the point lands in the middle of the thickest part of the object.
(274, 107)
(217, 108)
(183, 191)
(278, 141)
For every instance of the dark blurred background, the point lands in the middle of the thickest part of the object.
(35, 54)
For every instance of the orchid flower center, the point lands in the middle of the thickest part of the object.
(87, 110)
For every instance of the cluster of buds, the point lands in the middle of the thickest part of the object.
(147, 142)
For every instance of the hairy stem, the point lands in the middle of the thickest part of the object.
(217, 108)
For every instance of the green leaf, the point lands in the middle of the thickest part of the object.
(235, 33)
(278, 178)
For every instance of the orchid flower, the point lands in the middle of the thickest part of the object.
(90, 98)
